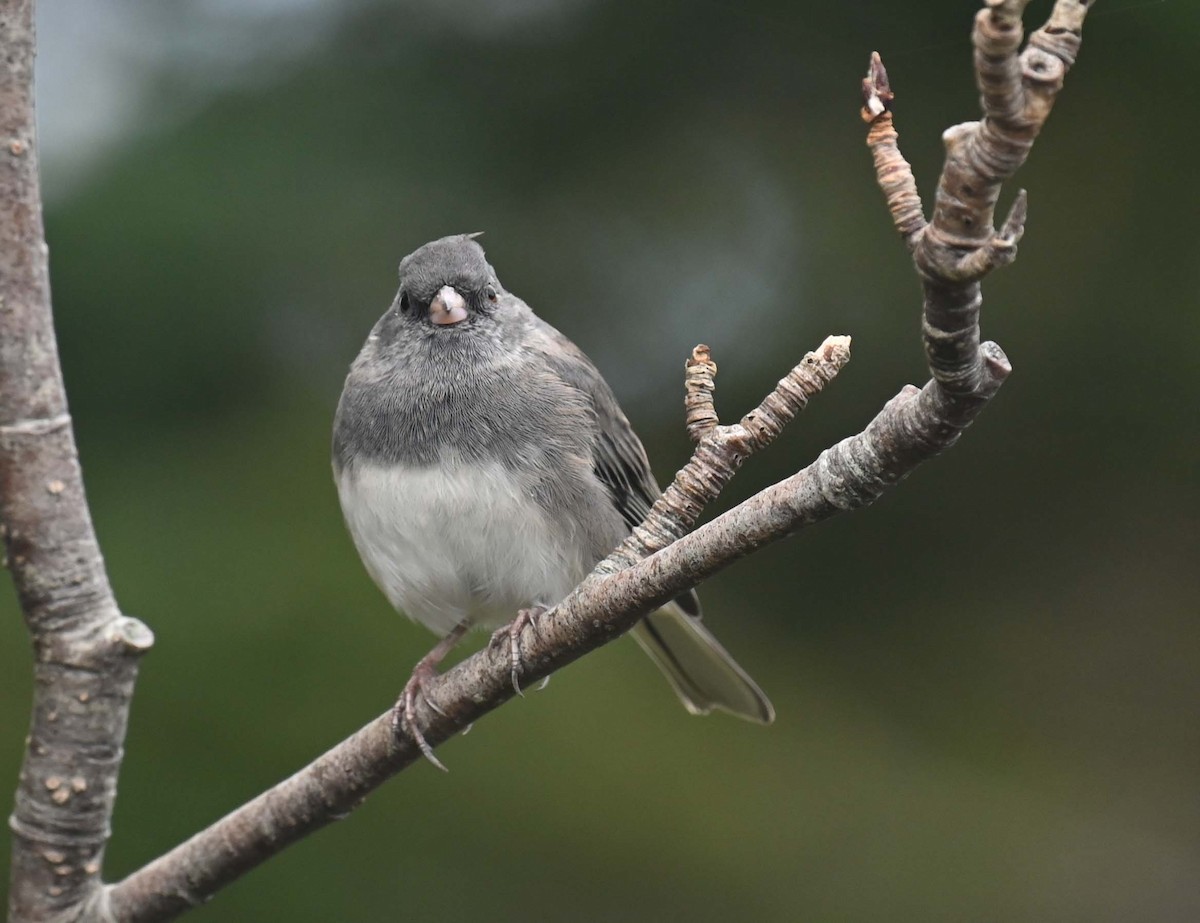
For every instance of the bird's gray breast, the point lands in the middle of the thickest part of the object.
(467, 483)
(416, 403)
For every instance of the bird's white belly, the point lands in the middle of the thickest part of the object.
(456, 543)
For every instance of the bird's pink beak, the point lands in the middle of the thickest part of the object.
(447, 307)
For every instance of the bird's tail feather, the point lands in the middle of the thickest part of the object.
(699, 669)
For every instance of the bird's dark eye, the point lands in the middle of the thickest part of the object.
(490, 293)
(404, 302)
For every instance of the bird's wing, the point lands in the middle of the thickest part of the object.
(617, 454)
(618, 457)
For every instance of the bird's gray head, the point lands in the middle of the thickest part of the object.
(446, 284)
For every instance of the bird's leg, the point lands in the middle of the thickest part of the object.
(512, 633)
(426, 669)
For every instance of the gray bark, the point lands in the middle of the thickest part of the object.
(85, 651)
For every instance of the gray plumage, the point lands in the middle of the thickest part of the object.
(484, 466)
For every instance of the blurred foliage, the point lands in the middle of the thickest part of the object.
(987, 684)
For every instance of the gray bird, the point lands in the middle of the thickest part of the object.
(484, 467)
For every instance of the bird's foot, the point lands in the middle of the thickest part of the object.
(404, 714)
(512, 634)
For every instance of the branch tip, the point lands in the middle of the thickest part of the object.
(893, 173)
(836, 349)
(698, 375)
(999, 250)
(876, 90)
(1013, 228)
(133, 633)
(995, 360)
(1006, 13)
(701, 355)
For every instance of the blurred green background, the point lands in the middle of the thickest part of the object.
(987, 684)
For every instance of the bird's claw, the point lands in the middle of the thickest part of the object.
(512, 633)
(405, 712)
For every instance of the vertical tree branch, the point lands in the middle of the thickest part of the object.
(960, 246)
(85, 651)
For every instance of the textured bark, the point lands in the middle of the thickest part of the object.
(85, 651)
(960, 246)
(720, 450)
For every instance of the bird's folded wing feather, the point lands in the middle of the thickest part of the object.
(618, 457)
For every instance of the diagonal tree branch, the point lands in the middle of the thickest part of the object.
(721, 450)
(85, 651)
(601, 609)
(659, 560)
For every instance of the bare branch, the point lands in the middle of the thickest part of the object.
(601, 609)
(960, 246)
(893, 172)
(722, 449)
(911, 428)
(86, 651)
(699, 372)
(659, 561)
(1017, 93)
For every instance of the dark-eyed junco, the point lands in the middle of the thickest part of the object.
(484, 467)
